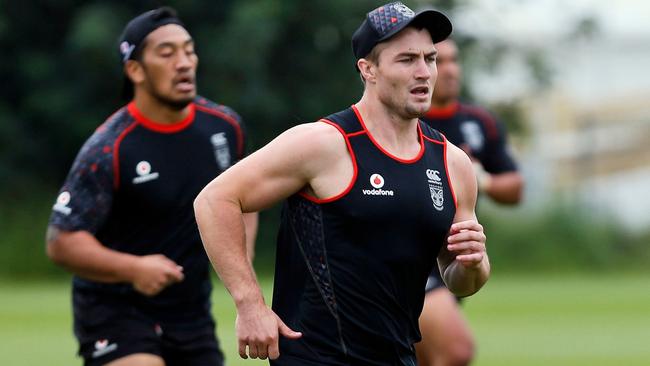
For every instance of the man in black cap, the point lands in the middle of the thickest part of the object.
(123, 222)
(373, 196)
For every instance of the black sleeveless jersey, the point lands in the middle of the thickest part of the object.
(133, 184)
(351, 269)
(475, 130)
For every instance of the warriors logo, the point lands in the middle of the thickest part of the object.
(221, 150)
(435, 188)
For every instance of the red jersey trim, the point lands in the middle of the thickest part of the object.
(405, 161)
(354, 165)
(232, 121)
(443, 113)
(116, 154)
(435, 141)
(451, 186)
(162, 127)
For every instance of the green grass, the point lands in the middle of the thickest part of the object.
(559, 320)
(518, 320)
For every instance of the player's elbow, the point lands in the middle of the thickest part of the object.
(512, 190)
(517, 190)
(199, 202)
(52, 244)
(55, 252)
(203, 203)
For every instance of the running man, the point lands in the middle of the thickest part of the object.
(123, 222)
(373, 196)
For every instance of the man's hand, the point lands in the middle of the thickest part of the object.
(153, 273)
(259, 328)
(467, 240)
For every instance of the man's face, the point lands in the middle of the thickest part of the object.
(406, 71)
(448, 84)
(169, 66)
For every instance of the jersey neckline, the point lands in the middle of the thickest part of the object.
(162, 127)
(443, 113)
(384, 151)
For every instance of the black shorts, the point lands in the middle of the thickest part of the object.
(108, 328)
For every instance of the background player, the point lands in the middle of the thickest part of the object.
(446, 337)
(123, 222)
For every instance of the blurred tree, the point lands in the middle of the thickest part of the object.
(277, 62)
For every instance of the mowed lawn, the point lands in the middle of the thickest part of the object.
(518, 320)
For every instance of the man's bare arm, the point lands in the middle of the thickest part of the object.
(82, 254)
(292, 162)
(463, 261)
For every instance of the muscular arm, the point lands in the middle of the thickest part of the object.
(82, 254)
(464, 263)
(295, 160)
(251, 223)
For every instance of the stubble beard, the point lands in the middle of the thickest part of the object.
(173, 104)
(415, 111)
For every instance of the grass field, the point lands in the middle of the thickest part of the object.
(573, 320)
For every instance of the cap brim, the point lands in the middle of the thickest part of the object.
(438, 25)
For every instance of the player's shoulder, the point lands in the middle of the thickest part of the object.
(113, 128)
(208, 106)
(316, 132)
(314, 141)
(478, 113)
(459, 164)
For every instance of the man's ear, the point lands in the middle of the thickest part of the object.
(367, 69)
(134, 71)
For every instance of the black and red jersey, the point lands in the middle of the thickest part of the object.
(351, 269)
(476, 131)
(133, 184)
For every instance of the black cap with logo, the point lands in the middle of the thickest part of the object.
(387, 20)
(139, 28)
(135, 33)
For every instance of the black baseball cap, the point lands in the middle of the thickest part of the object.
(387, 20)
(132, 37)
(139, 28)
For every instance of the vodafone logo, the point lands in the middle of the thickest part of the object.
(143, 169)
(64, 198)
(102, 347)
(377, 181)
(101, 344)
(61, 204)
